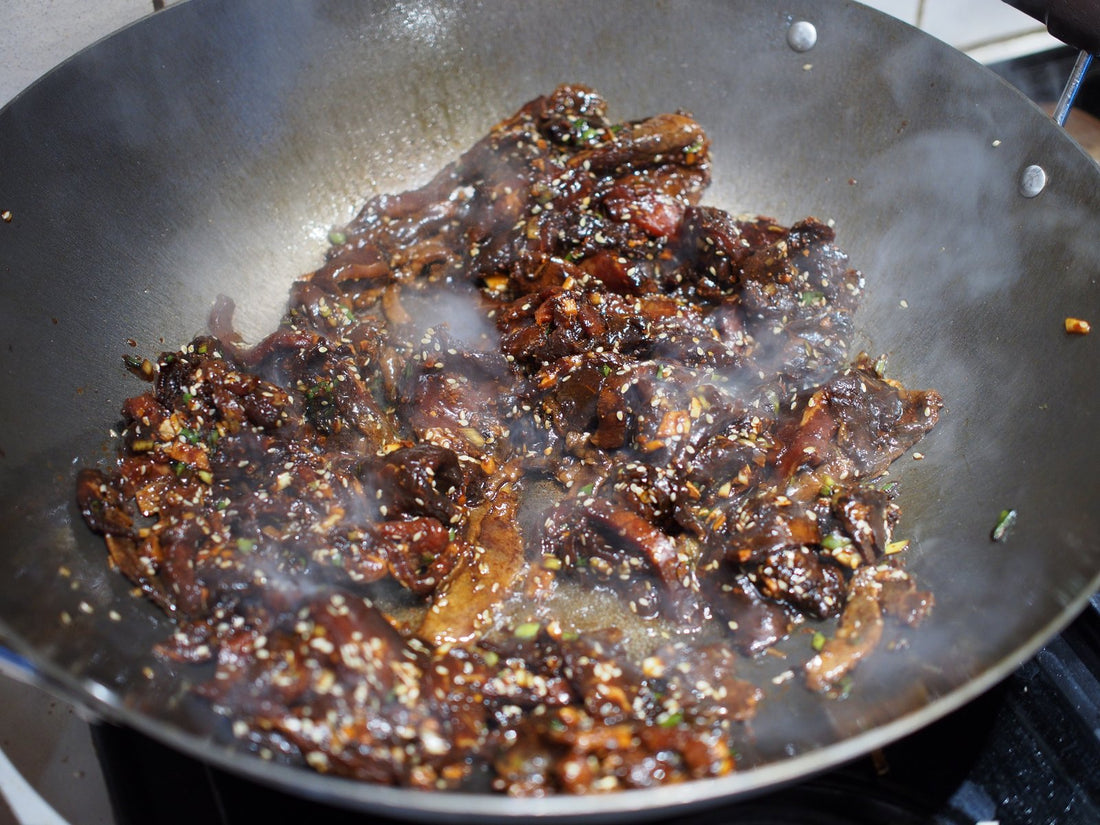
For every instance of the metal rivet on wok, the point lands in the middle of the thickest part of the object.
(1032, 181)
(802, 36)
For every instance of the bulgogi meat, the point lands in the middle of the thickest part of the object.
(547, 378)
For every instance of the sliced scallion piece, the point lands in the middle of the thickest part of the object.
(672, 720)
(834, 541)
(1005, 522)
(527, 630)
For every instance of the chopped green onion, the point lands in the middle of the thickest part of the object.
(893, 547)
(1005, 522)
(672, 720)
(810, 298)
(246, 545)
(205, 476)
(834, 541)
(585, 132)
(587, 489)
(818, 640)
(336, 237)
(527, 630)
(880, 366)
(605, 370)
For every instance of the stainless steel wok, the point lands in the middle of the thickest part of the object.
(209, 149)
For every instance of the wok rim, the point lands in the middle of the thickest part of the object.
(410, 803)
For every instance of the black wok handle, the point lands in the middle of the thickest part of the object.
(1074, 22)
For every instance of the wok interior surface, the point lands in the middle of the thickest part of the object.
(209, 149)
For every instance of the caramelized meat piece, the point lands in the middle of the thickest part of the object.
(490, 565)
(755, 623)
(856, 425)
(429, 480)
(403, 719)
(701, 682)
(868, 516)
(872, 593)
(764, 525)
(798, 577)
(541, 328)
(623, 550)
(798, 295)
